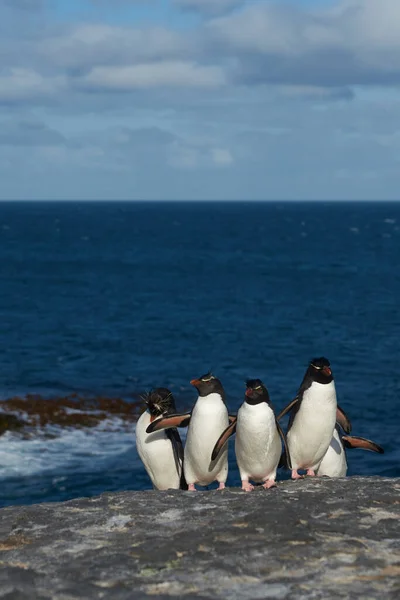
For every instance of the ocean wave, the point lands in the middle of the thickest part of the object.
(54, 449)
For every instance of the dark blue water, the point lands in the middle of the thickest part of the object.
(117, 297)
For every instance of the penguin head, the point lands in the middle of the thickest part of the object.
(256, 392)
(208, 384)
(159, 401)
(320, 370)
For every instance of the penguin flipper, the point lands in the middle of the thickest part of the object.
(350, 441)
(232, 418)
(343, 419)
(285, 460)
(177, 446)
(223, 438)
(178, 420)
(287, 408)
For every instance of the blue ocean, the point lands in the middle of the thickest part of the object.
(114, 298)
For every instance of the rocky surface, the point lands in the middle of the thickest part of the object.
(316, 538)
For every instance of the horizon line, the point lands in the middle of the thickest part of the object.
(187, 201)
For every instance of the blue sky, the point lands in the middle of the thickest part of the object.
(199, 99)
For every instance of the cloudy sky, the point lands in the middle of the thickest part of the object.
(199, 99)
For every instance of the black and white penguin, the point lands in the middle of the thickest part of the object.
(258, 444)
(334, 463)
(161, 452)
(206, 422)
(313, 415)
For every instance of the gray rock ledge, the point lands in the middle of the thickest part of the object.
(316, 538)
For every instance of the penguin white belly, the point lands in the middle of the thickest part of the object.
(312, 429)
(334, 463)
(257, 444)
(209, 419)
(157, 455)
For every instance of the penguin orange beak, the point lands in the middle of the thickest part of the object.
(327, 371)
(195, 382)
(248, 392)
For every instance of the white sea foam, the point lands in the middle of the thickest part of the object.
(54, 449)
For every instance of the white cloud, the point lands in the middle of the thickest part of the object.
(198, 154)
(221, 157)
(150, 75)
(270, 88)
(92, 44)
(19, 84)
(353, 42)
(259, 28)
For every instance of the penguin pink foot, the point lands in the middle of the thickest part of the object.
(270, 483)
(221, 486)
(247, 486)
(311, 473)
(295, 474)
(191, 487)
